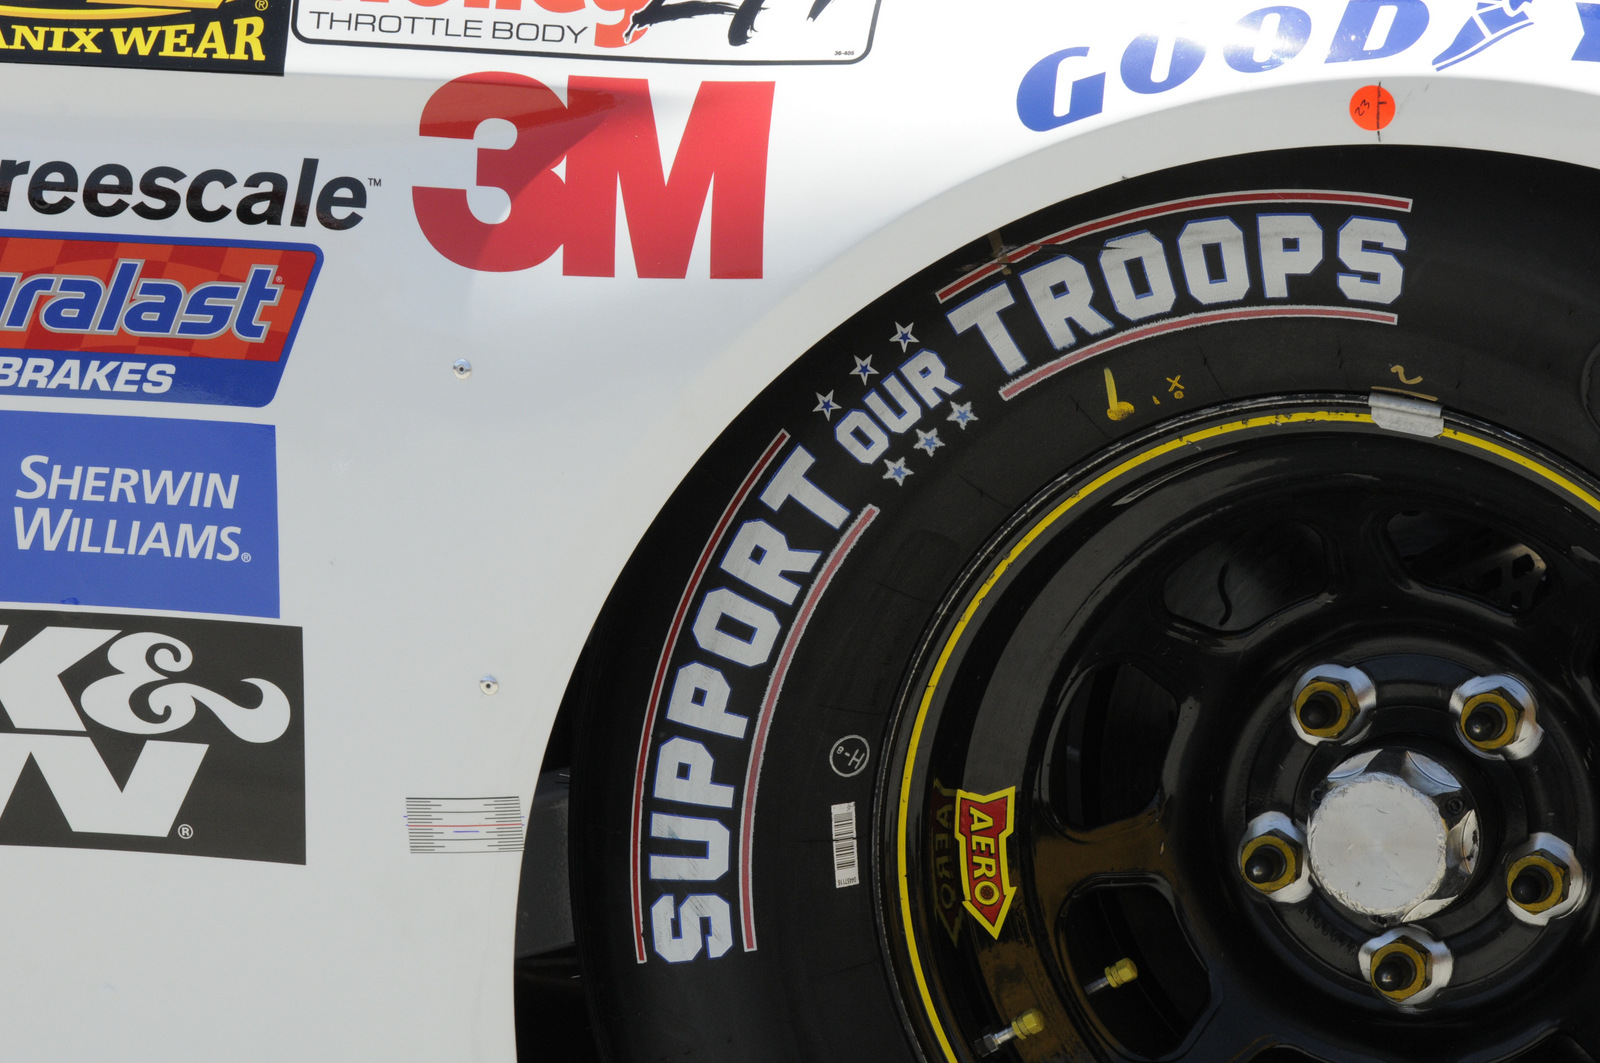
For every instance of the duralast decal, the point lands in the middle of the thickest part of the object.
(152, 734)
(139, 513)
(983, 824)
(171, 320)
(604, 133)
(740, 31)
(231, 36)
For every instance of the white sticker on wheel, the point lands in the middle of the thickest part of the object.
(846, 866)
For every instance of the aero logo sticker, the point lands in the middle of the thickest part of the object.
(983, 823)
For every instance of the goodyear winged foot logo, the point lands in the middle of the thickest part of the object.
(983, 824)
(238, 36)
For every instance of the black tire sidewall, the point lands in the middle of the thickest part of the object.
(1498, 315)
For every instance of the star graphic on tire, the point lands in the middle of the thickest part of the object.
(825, 406)
(897, 470)
(864, 368)
(927, 441)
(961, 413)
(902, 335)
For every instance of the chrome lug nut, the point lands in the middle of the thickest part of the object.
(1544, 880)
(1495, 717)
(1332, 703)
(1272, 858)
(1406, 966)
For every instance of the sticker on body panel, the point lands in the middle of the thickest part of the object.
(140, 513)
(742, 31)
(605, 135)
(228, 36)
(167, 321)
(152, 734)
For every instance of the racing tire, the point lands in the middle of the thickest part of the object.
(986, 690)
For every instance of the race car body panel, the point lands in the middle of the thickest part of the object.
(429, 318)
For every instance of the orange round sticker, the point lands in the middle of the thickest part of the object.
(1372, 107)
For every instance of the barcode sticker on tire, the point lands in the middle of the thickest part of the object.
(845, 868)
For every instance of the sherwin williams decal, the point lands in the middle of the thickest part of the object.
(744, 31)
(983, 823)
(231, 36)
(139, 512)
(171, 320)
(152, 734)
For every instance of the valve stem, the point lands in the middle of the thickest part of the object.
(1024, 1026)
(1117, 975)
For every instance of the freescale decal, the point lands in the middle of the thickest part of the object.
(140, 513)
(172, 321)
(108, 191)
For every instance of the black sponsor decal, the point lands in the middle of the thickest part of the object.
(231, 36)
(152, 734)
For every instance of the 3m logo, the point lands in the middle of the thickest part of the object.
(605, 133)
(983, 823)
(152, 734)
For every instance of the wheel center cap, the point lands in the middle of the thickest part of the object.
(1378, 845)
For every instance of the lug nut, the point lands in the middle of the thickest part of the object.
(1396, 972)
(1544, 880)
(1495, 717)
(1266, 863)
(1534, 887)
(1406, 966)
(1332, 703)
(1272, 859)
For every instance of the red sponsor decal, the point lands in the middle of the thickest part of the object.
(136, 297)
(983, 823)
(605, 131)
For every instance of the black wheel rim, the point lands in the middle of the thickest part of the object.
(1122, 661)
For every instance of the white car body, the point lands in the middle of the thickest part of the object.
(436, 527)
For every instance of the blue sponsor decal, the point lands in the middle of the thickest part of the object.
(139, 512)
(172, 320)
